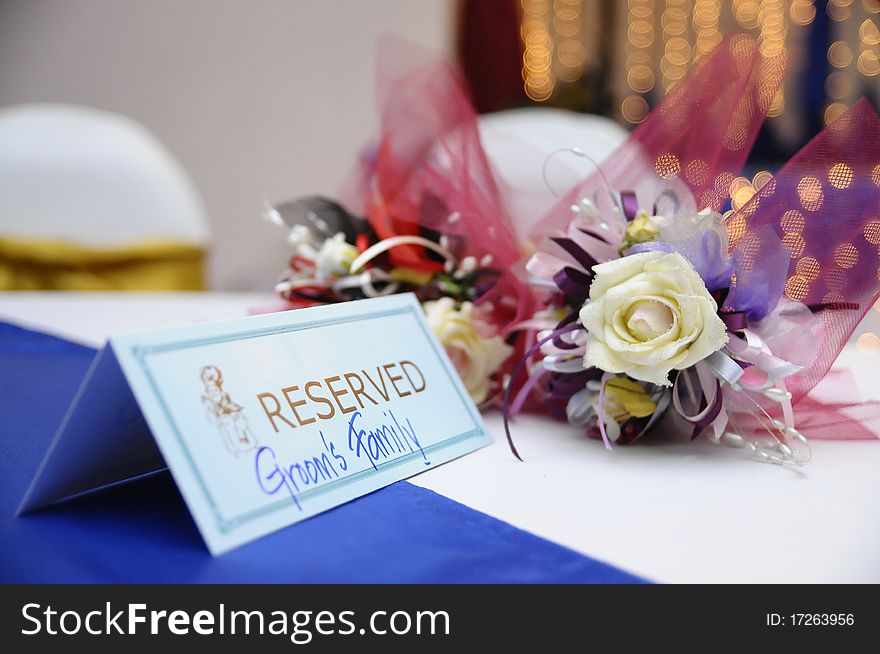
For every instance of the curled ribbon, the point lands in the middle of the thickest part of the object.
(753, 350)
(517, 369)
(708, 394)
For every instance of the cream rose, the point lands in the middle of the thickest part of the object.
(648, 314)
(475, 358)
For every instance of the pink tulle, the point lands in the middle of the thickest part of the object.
(833, 410)
(823, 206)
(695, 141)
(428, 171)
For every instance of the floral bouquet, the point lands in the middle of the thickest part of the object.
(422, 212)
(665, 289)
(661, 309)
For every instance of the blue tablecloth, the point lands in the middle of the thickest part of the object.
(141, 532)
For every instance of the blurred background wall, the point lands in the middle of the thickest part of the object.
(266, 100)
(260, 101)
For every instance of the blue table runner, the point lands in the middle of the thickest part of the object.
(141, 531)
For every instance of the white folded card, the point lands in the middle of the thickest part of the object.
(266, 420)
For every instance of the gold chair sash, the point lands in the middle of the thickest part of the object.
(31, 265)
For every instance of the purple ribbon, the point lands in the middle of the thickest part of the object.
(704, 420)
(630, 204)
(573, 283)
(557, 339)
(517, 369)
(717, 403)
(736, 321)
(563, 385)
(596, 236)
(576, 251)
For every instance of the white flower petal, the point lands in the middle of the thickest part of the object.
(648, 314)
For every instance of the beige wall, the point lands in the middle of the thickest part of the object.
(260, 100)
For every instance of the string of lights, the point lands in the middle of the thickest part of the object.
(664, 38)
(539, 80)
(639, 71)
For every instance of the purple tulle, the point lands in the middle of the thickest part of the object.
(707, 253)
(823, 207)
(759, 286)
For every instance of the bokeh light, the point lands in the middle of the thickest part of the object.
(868, 343)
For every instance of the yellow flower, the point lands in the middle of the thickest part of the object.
(643, 228)
(625, 399)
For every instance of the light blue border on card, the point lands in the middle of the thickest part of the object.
(226, 525)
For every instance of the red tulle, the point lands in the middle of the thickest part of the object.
(428, 173)
(823, 205)
(694, 142)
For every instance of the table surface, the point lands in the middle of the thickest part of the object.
(672, 512)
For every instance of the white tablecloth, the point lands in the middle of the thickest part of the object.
(666, 511)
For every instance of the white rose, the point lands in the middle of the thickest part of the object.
(475, 358)
(650, 313)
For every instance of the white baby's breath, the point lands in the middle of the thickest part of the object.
(334, 257)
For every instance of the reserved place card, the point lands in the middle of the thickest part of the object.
(266, 420)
